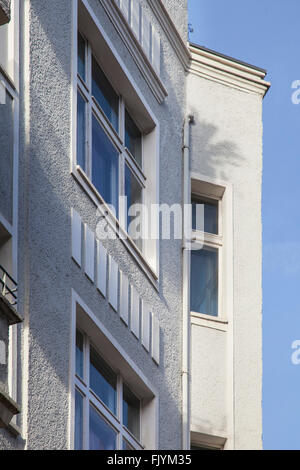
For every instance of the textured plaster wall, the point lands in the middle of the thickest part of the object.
(46, 272)
(178, 11)
(208, 380)
(226, 143)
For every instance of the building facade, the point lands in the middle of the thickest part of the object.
(119, 328)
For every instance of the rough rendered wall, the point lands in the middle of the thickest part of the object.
(226, 143)
(46, 271)
(178, 11)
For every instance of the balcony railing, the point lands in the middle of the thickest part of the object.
(8, 287)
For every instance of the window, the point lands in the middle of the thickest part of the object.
(205, 261)
(109, 141)
(107, 411)
(9, 55)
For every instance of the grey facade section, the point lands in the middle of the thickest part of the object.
(225, 145)
(46, 272)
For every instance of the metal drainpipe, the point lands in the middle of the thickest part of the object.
(186, 335)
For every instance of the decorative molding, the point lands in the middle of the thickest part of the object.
(76, 237)
(89, 253)
(227, 71)
(155, 350)
(110, 218)
(135, 48)
(180, 48)
(143, 324)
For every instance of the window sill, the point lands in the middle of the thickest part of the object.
(217, 323)
(129, 244)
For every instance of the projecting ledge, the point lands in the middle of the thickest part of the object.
(8, 409)
(8, 312)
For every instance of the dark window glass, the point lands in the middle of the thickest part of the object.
(103, 381)
(102, 436)
(81, 57)
(105, 95)
(131, 412)
(133, 139)
(78, 421)
(105, 166)
(6, 151)
(81, 131)
(211, 214)
(79, 354)
(133, 192)
(204, 281)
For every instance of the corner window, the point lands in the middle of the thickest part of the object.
(205, 260)
(107, 411)
(109, 140)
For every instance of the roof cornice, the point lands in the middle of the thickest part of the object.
(180, 47)
(231, 72)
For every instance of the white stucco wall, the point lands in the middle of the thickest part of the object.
(226, 144)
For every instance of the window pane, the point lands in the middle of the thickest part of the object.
(103, 381)
(105, 95)
(102, 436)
(211, 214)
(131, 412)
(126, 446)
(105, 166)
(133, 192)
(78, 421)
(79, 354)
(133, 139)
(81, 130)
(4, 35)
(204, 281)
(6, 152)
(81, 56)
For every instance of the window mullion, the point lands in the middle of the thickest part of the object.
(120, 409)
(86, 406)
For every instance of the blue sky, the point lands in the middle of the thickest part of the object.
(266, 33)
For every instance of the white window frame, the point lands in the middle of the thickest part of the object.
(85, 19)
(90, 398)
(83, 319)
(117, 138)
(210, 240)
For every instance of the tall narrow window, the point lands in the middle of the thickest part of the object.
(81, 57)
(131, 411)
(205, 261)
(105, 166)
(133, 139)
(103, 381)
(105, 95)
(81, 131)
(204, 281)
(109, 140)
(107, 411)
